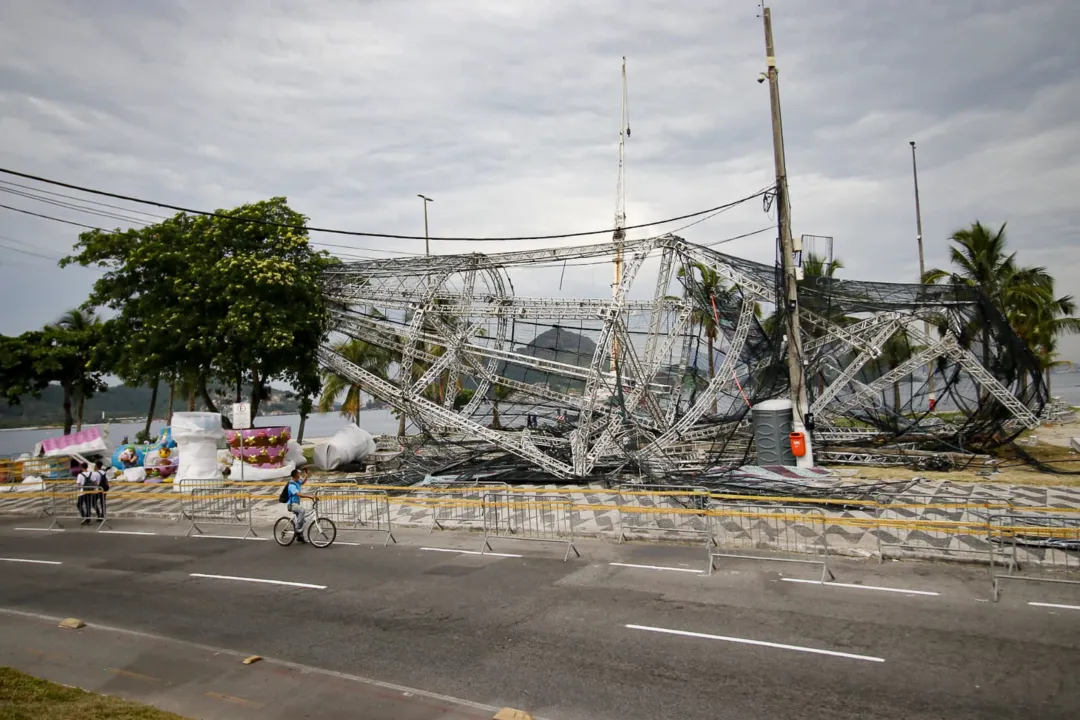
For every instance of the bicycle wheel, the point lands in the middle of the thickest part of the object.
(284, 531)
(322, 532)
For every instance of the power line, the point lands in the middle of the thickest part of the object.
(178, 208)
(72, 206)
(50, 217)
(82, 200)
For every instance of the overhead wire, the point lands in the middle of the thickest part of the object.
(356, 233)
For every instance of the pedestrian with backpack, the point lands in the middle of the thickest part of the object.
(292, 495)
(82, 481)
(101, 482)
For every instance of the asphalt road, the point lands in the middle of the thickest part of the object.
(583, 639)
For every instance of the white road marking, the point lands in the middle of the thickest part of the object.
(861, 587)
(41, 529)
(36, 562)
(228, 537)
(126, 532)
(259, 580)
(656, 567)
(469, 552)
(761, 643)
(1055, 605)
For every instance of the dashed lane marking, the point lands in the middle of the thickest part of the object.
(35, 562)
(259, 580)
(1055, 605)
(469, 552)
(759, 643)
(656, 567)
(853, 586)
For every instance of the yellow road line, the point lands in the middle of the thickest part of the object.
(235, 700)
(133, 675)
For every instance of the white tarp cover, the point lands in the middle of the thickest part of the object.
(296, 454)
(196, 435)
(350, 444)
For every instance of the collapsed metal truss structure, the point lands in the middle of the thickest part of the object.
(658, 374)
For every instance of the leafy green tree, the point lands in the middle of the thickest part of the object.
(57, 354)
(234, 296)
(86, 328)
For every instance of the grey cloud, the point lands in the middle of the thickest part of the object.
(507, 114)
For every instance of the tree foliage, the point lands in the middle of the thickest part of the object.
(235, 296)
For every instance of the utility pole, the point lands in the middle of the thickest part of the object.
(922, 264)
(427, 240)
(796, 371)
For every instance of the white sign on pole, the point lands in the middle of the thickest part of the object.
(241, 416)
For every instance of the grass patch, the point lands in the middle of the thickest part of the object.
(25, 697)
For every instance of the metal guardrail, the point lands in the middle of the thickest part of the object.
(744, 531)
(670, 511)
(220, 506)
(535, 517)
(460, 504)
(70, 502)
(357, 510)
(186, 489)
(946, 526)
(1037, 548)
(13, 470)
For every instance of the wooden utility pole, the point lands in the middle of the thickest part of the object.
(789, 304)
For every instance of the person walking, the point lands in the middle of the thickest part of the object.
(82, 481)
(101, 482)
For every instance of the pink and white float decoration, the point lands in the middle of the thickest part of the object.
(263, 451)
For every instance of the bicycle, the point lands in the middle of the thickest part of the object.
(321, 532)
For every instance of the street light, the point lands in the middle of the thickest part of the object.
(427, 241)
(922, 264)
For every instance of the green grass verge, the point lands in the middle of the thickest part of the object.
(24, 697)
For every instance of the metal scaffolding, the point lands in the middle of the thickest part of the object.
(660, 375)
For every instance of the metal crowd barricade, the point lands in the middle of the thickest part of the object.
(186, 488)
(536, 517)
(357, 510)
(220, 506)
(1037, 548)
(744, 531)
(459, 504)
(947, 526)
(71, 502)
(670, 511)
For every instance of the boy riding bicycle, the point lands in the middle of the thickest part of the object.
(296, 483)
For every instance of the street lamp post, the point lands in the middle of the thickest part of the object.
(922, 263)
(427, 240)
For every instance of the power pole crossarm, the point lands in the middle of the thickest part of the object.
(790, 308)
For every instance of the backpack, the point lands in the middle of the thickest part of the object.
(284, 496)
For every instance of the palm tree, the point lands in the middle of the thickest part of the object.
(372, 358)
(1025, 295)
(86, 324)
(706, 290)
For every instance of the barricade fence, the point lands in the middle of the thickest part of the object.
(668, 511)
(460, 504)
(71, 502)
(1036, 548)
(747, 531)
(14, 470)
(939, 526)
(357, 510)
(943, 526)
(220, 506)
(536, 517)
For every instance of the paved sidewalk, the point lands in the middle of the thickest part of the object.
(211, 683)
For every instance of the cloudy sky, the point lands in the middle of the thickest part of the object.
(507, 113)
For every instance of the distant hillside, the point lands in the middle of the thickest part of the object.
(559, 345)
(119, 401)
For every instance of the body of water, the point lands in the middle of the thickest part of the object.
(377, 422)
